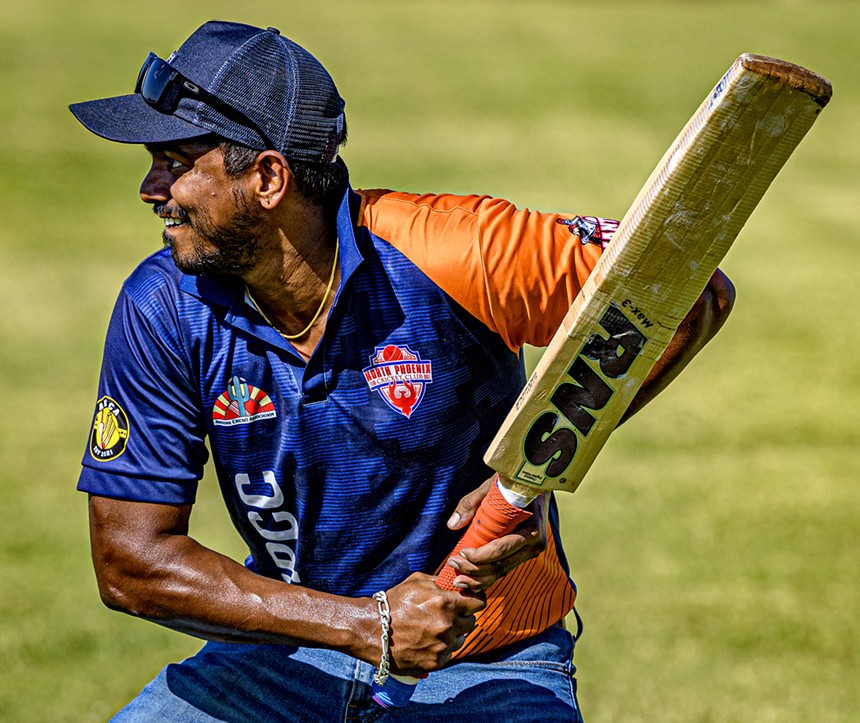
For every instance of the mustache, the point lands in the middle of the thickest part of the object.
(165, 209)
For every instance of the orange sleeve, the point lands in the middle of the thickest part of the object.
(518, 271)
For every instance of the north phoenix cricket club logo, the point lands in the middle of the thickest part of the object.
(400, 377)
(242, 403)
(110, 431)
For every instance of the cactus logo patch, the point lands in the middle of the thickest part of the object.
(242, 403)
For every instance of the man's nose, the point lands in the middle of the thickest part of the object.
(155, 187)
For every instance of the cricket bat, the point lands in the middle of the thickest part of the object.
(660, 259)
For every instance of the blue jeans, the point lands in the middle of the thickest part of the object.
(530, 681)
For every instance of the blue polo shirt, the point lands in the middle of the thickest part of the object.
(340, 472)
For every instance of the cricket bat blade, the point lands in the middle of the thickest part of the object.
(661, 257)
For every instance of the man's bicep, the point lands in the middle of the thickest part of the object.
(132, 528)
(124, 537)
(111, 517)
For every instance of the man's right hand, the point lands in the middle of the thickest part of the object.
(428, 624)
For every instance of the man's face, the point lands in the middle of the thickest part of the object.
(210, 224)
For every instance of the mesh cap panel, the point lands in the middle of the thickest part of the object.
(270, 79)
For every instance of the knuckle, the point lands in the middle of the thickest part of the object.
(539, 545)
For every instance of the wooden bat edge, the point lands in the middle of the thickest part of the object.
(794, 76)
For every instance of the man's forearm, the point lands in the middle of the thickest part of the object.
(704, 320)
(229, 603)
(171, 579)
(148, 566)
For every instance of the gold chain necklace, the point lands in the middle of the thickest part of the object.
(291, 337)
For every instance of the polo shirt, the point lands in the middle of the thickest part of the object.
(340, 472)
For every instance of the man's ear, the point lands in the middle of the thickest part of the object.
(272, 178)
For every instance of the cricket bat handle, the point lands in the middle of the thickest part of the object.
(495, 518)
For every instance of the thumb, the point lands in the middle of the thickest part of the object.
(466, 508)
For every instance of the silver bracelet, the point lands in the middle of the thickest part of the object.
(381, 675)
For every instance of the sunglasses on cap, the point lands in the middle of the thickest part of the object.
(162, 87)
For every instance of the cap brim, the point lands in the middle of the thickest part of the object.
(128, 119)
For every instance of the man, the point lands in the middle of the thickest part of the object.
(349, 355)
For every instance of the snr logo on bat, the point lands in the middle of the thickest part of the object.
(551, 442)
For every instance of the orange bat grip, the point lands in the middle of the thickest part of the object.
(496, 517)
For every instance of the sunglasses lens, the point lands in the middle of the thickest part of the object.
(154, 83)
(143, 69)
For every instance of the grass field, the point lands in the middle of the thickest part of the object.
(715, 543)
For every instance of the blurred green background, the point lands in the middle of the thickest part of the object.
(715, 542)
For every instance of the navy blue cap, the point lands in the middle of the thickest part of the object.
(275, 82)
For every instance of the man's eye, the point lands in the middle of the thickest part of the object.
(174, 164)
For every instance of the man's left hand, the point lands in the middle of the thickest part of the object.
(480, 567)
